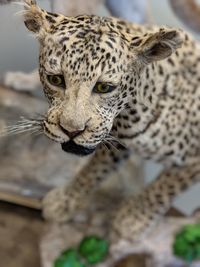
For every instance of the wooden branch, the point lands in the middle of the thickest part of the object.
(188, 11)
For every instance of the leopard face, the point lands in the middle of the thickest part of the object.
(85, 87)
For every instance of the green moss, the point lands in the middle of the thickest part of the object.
(69, 258)
(93, 249)
(187, 243)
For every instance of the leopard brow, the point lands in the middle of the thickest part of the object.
(109, 83)
(50, 72)
(53, 74)
(113, 83)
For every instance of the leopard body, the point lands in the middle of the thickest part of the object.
(154, 108)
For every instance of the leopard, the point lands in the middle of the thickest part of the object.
(115, 88)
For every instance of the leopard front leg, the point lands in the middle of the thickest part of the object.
(136, 216)
(61, 204)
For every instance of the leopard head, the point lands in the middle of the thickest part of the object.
(89, 68)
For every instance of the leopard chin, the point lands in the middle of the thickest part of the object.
(73, 148)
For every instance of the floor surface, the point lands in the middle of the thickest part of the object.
(20, 231)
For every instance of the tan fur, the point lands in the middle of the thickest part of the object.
(153, 109)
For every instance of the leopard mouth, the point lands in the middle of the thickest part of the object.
(72, 147)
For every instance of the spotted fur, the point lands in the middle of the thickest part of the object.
(154, 108)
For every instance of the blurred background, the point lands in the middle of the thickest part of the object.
(29, 166)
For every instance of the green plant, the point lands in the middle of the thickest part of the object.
(91, 250)
(187, 243)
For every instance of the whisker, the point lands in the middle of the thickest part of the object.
(35, 133)
(20, 3)
(18, 131)
(20, 128)
(24, 125)
(113, 139)
(20, 13)
(110, 143)
(110, 137)
(38, 133)
(105, 146)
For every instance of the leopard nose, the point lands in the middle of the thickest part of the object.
(73, 134)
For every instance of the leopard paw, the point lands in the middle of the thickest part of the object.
(60, 205)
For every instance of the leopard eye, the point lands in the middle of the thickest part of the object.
(56, 80)
(103, 88)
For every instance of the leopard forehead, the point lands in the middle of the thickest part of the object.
(85, 49)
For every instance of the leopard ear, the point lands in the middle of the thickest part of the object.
(159, 45)
(33, 17)
(38, 20)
